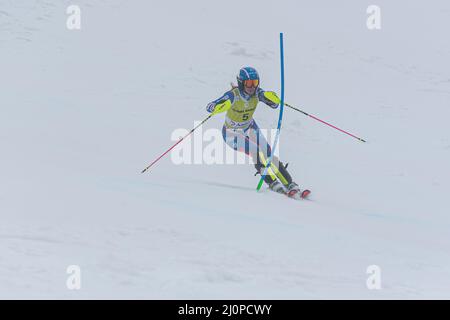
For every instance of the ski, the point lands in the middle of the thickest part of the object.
(297, 195)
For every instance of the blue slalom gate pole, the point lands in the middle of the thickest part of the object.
(280, 118)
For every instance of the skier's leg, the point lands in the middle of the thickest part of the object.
(280, 170)
(250, 143)
(290, 188)
(283, 174)
(231, 138)
(253, 143)
(240, 141)
(259, 166)
(245, 141)
(263, 151)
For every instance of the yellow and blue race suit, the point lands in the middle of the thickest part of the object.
(241, 132)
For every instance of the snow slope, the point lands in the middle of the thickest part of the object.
(82, 112)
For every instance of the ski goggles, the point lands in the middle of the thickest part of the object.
(251, 83)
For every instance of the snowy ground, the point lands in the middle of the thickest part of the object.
(82, 112)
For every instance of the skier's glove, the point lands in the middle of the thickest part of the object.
(272, 99)
(210, 107)
(271, 104)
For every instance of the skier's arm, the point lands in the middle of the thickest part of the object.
(227, 96)
(262, 98)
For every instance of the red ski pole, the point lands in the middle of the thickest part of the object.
(324, 122)
(190, 132)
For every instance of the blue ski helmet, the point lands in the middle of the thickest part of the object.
(247, 73)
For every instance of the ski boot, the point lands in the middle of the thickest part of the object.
(277, 187)
(293, 191)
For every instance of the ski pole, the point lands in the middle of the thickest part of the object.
(190, 132)
(324, 122)
(272, 96)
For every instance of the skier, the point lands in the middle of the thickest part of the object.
(241, 132)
